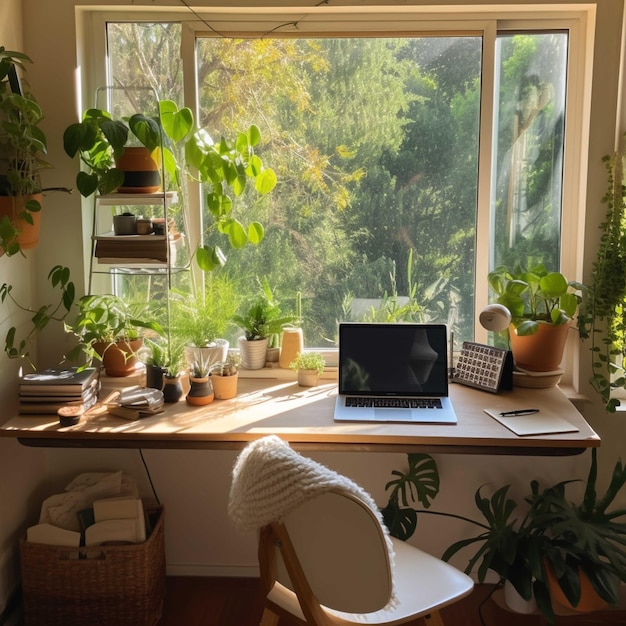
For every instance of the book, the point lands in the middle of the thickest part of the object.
(67, 380)
(57, 395)
(52, 406)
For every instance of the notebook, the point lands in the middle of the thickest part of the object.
(393, 373)
(540, 423)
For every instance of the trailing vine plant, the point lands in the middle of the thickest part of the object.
(604, 316)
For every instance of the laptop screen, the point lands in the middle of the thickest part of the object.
(393, 359)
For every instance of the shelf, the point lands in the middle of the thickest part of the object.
(138, 199)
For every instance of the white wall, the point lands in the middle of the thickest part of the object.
(21, 470)
(193, 485)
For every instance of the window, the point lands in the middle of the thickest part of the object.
(413, 153)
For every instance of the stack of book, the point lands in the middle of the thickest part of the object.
(47, 391)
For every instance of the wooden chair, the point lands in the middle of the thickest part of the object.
(328, 564)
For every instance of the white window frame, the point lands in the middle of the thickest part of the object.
(578, 20)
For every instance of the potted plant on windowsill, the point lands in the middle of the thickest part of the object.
(108, 329)
(258, 320)
(309, 366)
(224, 378)
(200, 386)
(542, 305)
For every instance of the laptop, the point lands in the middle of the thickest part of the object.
(393, 373)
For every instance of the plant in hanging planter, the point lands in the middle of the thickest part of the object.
(542, 304)
(602, 318)
(102, 144)
(23, 147)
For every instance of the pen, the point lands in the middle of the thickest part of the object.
(519, 412)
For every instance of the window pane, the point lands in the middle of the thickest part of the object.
(375, 144)
(531, 72)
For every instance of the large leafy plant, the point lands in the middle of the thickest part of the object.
(535, 295)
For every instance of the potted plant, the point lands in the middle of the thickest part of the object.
(201, 319)
(309, 366)
(108, 329)
(112, 165)
(224, 377)
(542, 305)
(585, 558)
(23, 146)
(172, 384)
(154, 354)
(554, 536)
(200, 387)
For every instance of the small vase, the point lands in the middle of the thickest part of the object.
(293, 342)
(200, 391)
(172, 388)
(224, 387)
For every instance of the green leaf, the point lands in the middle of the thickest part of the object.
(146, 129)
(256, 233)
(254, 135)
(265, 181)
(210, 258)
(237, 236)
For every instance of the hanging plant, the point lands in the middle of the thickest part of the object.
(604, 317)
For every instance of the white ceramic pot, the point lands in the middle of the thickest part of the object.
(214, 353)
(515, 602)
(253, 353)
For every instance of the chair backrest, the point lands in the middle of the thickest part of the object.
(333, 546)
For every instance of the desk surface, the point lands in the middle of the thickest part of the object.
(304, 417)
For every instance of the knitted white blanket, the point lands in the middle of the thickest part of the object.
(270, 480)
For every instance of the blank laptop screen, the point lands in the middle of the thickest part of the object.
(393, 359)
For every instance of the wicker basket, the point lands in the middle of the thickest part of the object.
(108, 585)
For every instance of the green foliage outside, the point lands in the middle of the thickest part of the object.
(375, 146)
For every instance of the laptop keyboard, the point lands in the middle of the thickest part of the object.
(394, 403)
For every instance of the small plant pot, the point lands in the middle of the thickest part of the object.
(253, 353)
(224, 387)
(200, 391)
(308, 378)
(12, 206)
(292, 344)
(172, 388)
(154, 377)
(125, 224)
(541, 352)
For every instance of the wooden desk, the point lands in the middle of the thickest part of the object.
(304, 417)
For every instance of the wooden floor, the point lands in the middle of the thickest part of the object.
(194, 601)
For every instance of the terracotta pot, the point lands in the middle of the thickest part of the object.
(589, 599)
(541, 352)
(118, 359)
(224, 387)
(200, 391)
(308, 378)
(141, 173)
(11, 206)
